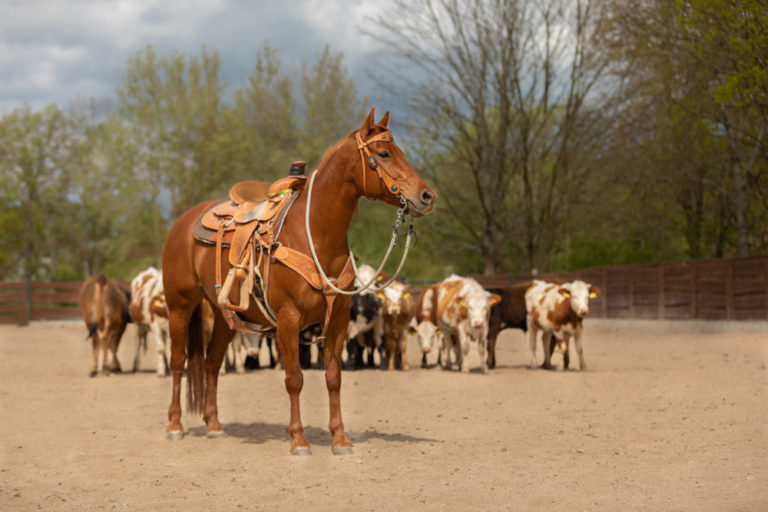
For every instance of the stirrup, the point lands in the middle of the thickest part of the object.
(223, 298)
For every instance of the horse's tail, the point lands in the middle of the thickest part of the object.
(196, 364)
(96, 306)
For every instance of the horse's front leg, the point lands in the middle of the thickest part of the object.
(288, 346)
(332, 351)
(221, 337)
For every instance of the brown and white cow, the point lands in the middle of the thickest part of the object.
(149, 313)
(398, 307)
(425, 324)
(104, 305)
(557, 309)
(463, 309)
(366, 321)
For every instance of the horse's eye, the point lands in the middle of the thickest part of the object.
(384, 154)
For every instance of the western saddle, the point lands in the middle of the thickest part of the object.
(250, 224)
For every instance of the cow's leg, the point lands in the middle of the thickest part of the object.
(332, 347)
(96, 343)
(288, 346)
(221, 338)
(532, 332)
(445, 351)
(402, 348)
(562, 346)
(462, 351)
(493, 332)
(546, 340)
(141, 343)
(104, 363)
(579, 350)
(483, 357)
(159, 348)
(391, 347)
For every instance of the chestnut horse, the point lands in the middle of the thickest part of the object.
(366, 162)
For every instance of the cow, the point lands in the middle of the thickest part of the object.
(149, 313)
(366, 322)
(557, 309)
(365, 331)
(510, 313)
(463, 310)
(244, 346)
(104, 304)
(398, 307)
(425, 324)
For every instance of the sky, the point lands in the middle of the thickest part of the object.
(62, 51)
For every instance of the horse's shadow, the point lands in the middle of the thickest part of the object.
(260, 433)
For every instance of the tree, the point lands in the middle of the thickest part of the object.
(695, 71)
(507, 116)
(34, 184)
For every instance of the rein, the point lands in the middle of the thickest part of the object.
(399, 219)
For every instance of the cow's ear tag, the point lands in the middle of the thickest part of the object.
(380, 295)
(407, 294)
(438, 331)
(566, 295)
(158, 302)
(462, 304)
(593, 295)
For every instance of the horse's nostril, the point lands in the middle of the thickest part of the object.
(427, 196)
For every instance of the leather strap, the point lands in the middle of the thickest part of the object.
(368, 160)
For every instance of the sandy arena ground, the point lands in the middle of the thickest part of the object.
(660, 422)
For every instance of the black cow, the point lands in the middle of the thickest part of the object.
(365, 330)
(511, 313)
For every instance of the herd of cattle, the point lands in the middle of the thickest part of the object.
(453, 321)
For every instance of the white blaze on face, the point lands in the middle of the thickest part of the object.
(579, 295)
(474, 302)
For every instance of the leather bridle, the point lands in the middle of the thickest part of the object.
(369, 159)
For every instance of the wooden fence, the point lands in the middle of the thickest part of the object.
(724, 289)
(20, 303)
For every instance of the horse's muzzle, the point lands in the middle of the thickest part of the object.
(422, 203)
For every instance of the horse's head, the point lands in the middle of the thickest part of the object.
(386, 174)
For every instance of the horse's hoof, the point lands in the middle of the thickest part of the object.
(174, 435)
(301, 451)
(214, 434)
(341, 450)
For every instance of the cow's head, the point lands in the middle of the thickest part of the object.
(579, 293)
(396, 299)
(473, 305)
(429, 335)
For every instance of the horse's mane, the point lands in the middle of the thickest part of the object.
(332, 149)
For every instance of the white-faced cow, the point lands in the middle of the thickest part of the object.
(463, 311)
(149, 313)
(425, 324)
(398, 307)
(510, 313)
(104, 305)
(557, 309)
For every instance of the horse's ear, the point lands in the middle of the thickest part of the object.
(384, 120)
(369, 121)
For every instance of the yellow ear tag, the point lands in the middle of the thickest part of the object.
(407, 294)
(566, 295)
(380, 295)
(158, 302)
(438, 331)
(462, 304)
(593, 295)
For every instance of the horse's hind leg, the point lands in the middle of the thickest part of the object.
(217, 349)
(178, 329)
